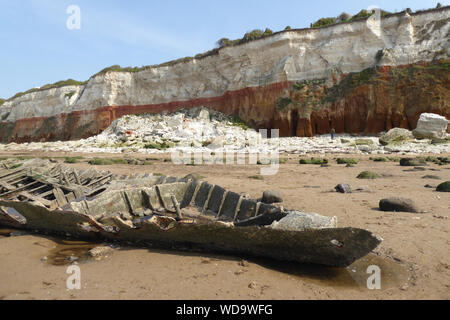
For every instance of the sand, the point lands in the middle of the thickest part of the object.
(413, 258)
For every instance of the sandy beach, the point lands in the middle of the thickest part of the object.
(413, 257)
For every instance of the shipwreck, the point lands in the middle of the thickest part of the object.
(169, 212)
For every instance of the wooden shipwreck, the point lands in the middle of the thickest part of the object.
(169, 212)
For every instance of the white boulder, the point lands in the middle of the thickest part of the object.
(431, 126)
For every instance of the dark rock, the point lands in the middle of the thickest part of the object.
(432, 177)
(444, 187)
(409, 162)
(430, 186)
(398, 205)
(343, 188)
(368, 175)
(272, 196)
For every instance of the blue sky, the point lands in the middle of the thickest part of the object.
(37, 48)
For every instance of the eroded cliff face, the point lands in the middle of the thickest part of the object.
(359, 77)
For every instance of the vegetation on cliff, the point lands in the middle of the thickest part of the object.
(2, 101)
(59, 84)
(345, 17)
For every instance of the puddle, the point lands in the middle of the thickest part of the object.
(5, 232)
(393, 274)
(68, 251)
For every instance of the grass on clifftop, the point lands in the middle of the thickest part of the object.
(345, 17)
(59, 84)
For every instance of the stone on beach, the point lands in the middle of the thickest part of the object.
(299, 221)
(343, 188)
(444, 187)
(396, 135)
(431, 126)
(398, 205)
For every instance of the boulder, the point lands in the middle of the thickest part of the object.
(431, 126)
(444, 187)
(398, 205)
(343, 188)
(409, 162)
(175, 121)
(100, 252)
(396, 135)
(272, 196)
(299, 221)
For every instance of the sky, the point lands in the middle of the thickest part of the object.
(38, 48)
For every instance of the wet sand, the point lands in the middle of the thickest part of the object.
(413, 258)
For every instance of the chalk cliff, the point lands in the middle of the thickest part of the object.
(358, 77)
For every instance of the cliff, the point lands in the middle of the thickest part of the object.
(358, 77)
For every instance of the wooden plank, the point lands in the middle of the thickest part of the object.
(78, 193)
(18, 189)
(29, 196)
(70, 197)
(12, 174)
(7, 186)
(36, 189)
(77, 178)
(59, 196)
(99, 180)
(20, 180)
(65, 178)
(45, 194)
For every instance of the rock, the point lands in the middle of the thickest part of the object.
(343, 188)
(444, 187)
(175, 121)
(204, 115)
(409, 162)
(72, 258)
(398, 205)
(298, 221)
(272, 196)
(396, 135)
(244, 263)
(432, 177)
(431, 126)
(368, 175)
(430, 186)
(363, 142)
(100, 252)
